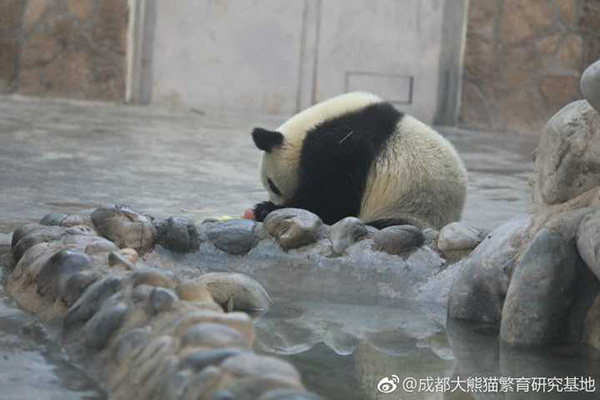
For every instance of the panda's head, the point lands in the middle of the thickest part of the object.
(280, 163)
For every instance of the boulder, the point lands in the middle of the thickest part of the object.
(567, 155)
(478, 291)
(541, 290)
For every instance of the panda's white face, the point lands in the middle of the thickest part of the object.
(279, 174)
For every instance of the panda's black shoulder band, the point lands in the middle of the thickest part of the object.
(266, 140)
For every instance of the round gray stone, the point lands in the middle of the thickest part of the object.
(76, 286)
(21, 231)
(458, 237)
(53, 219)
(91, 300)
(129, 343)
(590, 85)
(178, 234)
(238, 291)
(346, 232)
(53, 277)
(100, 328)
(398, 239)
(233, 237)
(162, 299)
(35, 236)
(212, 335)
(125, 227)
(293, 227)
(201, 359)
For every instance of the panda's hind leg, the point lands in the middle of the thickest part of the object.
(385, 222)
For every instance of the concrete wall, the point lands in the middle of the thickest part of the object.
(279, 56)
(267, 56)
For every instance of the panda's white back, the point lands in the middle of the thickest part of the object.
(419, 177)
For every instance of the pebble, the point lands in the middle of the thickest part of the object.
(201, 359)
(234, 291)
(125, 227)
(249, 364)
(35, 236)
(154, 278)
(293, 227)
(101, 326)
(346, 232)
(178, 234)
(162, 299)
(91, 300)
(127, 344)
(52, 219)
(241, 322)
(458, 238)
(76, 286)
(398, 239)
(53, 277)
(193, 291)
(213, 336)
(233, 237)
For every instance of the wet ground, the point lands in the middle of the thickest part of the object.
(68, 157)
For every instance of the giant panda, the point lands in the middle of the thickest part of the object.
(357, 155)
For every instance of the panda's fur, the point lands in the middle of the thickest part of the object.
(356, 155)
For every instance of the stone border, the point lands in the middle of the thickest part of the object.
(145, 332)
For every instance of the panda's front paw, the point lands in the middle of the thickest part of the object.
(261, 210)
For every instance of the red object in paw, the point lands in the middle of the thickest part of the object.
(248, 214)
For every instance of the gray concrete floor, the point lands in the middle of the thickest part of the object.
(68, 156)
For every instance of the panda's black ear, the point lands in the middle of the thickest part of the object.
(266, 140)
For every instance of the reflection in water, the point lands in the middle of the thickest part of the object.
(343, 350)
(482, 355)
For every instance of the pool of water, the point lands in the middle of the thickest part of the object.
(68, 157)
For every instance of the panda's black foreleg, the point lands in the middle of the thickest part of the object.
(261, 210)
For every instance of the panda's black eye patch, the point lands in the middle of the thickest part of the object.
(273, 188)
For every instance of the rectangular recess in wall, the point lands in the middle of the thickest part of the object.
(394, 88)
